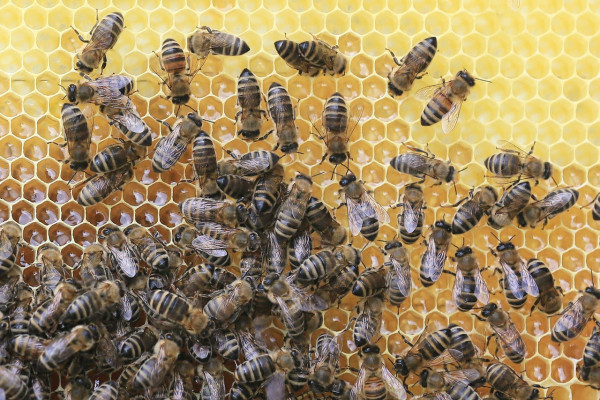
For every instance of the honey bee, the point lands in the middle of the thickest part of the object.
(172, 60)
(100, 187)
(21, 313)
(78, 137)
(412, 66)
(129, 308)
(326, 363)
(505, 331)
(267, 190)
(591, 352)
(250, 164)
(45, 318)
(324, 56)
(445, 100)
(126, 118)
(121, 254)
(249, 95)
(319, 217)
(398, 280)
(300, 247)
(434, 258)
(40, 387)
(199, 209)
(590, 375)
(170, 148)
(226, 306)
(171, 308)
(275, 255)
(316, 267)
(203, 278)
(368, 321)
(555, 202)
(335, 123)
(81, 338)
(93, 265)
(576, 316)
(213, 387)
(137, 343)
(421, 164)
(104, 36)
(374, 380)
(282, 113)
(517, 281)
(91, 302)
(107, 91)
(148, 247)
(214, 239)
(78, 388)
(183, 381)
(371, 282)
(550, 299)
(243, 391)
(155, 369)
(509, 384)
(227, 344)
(445, 380)
(235, 186)
(109, 390)
(364, 213)
(11, 384)
(259, 364)
(469, 285)
(513, 201)
(291, 212)
(52, 269)
(183, 237)
(472, 209)
(412, 217)
(340, 283)
(28, 347)
(10, 236)
(214, 42)
(513, 161)
(289, 51)
(204, 158)
(463, 349)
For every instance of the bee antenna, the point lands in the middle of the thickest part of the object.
(73, 176)
(494, 235)
(512, 237)
(454, 245)
(317, 174)
(483, 80)
(190, 107)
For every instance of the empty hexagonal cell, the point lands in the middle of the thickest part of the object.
(10, 148)
(10, 190)
(58, 192)
(47, 213)
(97, 214)
(84, 234)
(169, 215)
(59, 234)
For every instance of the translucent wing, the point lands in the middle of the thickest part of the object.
(451, 118)
(403, 277)
(464, 376)
(393, 385)
(209, 245)
(274, 387)
(511, 337)
(572, 317)
(509, 147)
(428, 92)
(458, 285)
(554, 203)
(481, 290)
(113, 83)
(447, 357)
(354, 216)
(359, 384)
(170, 148)
(252, 166)
(306, 302)
(6, 247)
(512, 281)
(528, 282)
(100, 41)
(411, 215)
(129, 120)
(416, 162)
(124, 260)
(433, 396)
(216, 386)
(178, 387)
(434, 260)
(380, 212)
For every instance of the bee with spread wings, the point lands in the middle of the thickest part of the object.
(506, 332)
(250, 164)
(374, 379)
(555, 202)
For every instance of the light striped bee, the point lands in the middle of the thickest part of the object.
(179, 72)
(505, 331)
(170, 148)
(434, 258)
(412, 217)
(77, 136)
(115, 156)
(412, 66)
(324, 56)
(469, 285)
(121, 254)
(554, 203)
(374, 379)
(513, 201)
(249, 96)
(513, 161)
(104, 36)
(100, 187)
(289, 51)
(108, 91)
(282, 113)
(210, 41)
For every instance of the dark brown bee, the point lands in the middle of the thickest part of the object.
(290, 53)
(576, 316)
(249, 96)
(364, 213)
(555, 202)
(469, 285)
(513, 201)
(148, 247)
(225, 307)
(21, 313)
(121, 254)
(368, 321)
(398, 281)
(214, 239)
(267, 190)
(204, 158)
(371, 282)
(472, 209)
(282, 113)
(29, 347)
(209, 41)
(412, 217)
(109, 390)
(92, 302)
(170, 148)
(463, 349)
(517, 281)
(169, 307)
(200, 209)
(340, 283)
(411, 66)
(335, 122)
(235, 186)
(45, 318)
(213, 386)
(445, 100)
(77, 136)
(156, 368)
(591, 352)
(291, 212)
(506, 332)
(243, 391)
(319, 217)
(589, 375)
(324, 56)
(179, 74)
(260, 365)
(80, 338)
(100, 187)
(374, 380)
(10, 236)
(204, 278)
(434, 258)
(421, 164)
(136, 343)
(550, 299)
(326, 363)
(104, 36)
(227, 344)
(508, 383)
(107, 91)
(12, 384)
(249, 164)
(183, 237)
(512, 161)
(115, 156)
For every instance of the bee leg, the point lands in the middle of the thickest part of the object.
(421, 76)
(534, 305)
(394, 57)
(266, 135)
(79, 35)
(445, 271)
(206, 28)
(104, 61)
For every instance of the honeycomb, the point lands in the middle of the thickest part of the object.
(540, 56)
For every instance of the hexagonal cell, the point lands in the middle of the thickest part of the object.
(121, 215)
(34, 234)
(72, 214)
(48, 170)
(47, 213)
(22, 170)
(59, 234)
(10, 190)
(58, 192)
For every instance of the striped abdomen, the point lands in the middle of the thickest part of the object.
(461, 342)
(227, 44)
(410, 237)
(8, 258)
(173, 58)
(234, 185)
(101, 186)
(394, 292)
(228, 346)
(204, 156)
(370, 283)
(374, 388)
(466, 217)
(422, 53)
(109, 159)
(503, 164)
(370, 228)
(19, 321)
(14, 388)
(83, 307)
(107, 391)
(467, 299)
(280, 104)
(335, 114)
(289, 219)
(145, 376)
(435, 344)
(437, 107)
(257, 369)
(517, 298)
(111, 27)
(168, 305)
(248, 90)
(315, 267)
(267, 189)
(460, 391)
(77, 136)
(591, 352)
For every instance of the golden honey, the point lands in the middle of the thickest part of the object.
(541, 57)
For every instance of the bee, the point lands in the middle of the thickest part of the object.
(183, 381)
(291, 212)
(78, 137)
(469, 285)
(513, 161)
(172, 60)
(319, 217)
(398, 280)
(289, 51)
(463, 349)
(576, 316)
(412, 66)
(40, 388)
(214, 239)
(91, 302)
(340, 283)
(316, 268)
(445, 100)
(148, 247)
(171, 308)
(300, 247)
(591, 352)
(505, 331)
(326, 363)
(156, 368)
(555, 202)
(203, 278)
(275, 255)
(170, 148)
(100, 187)
(267, 190)
(421, 164)
(81, 338)
(324, 56)
(368, 321)
(104, 36)
(204, 158)
(93, 265)
(11, 384)
(507, 382)
(412, 217)
(137, 343)
(235, 186)
(550, 299)
(243, 391)
(21, 313)
(374, 380)
(125, 117)
(444, 380)
(107, 91)
(28, 347)
(249, 95)
(225, 307)
(109, 390)
(590, 375)
(45, 318)
(120, 253)
(371, 282)
(10, 236)
(183, 237)
(282, 113)
(434, 258)
(335, 122)
(364, 213)
(52, 270)
(227, 344)
(213, 387)
(250, 164)
(214, 42)
(472, 209)
(517, 281)
(513, 201)
(260, 365)
(199, 209)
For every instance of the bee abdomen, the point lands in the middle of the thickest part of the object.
(370, 283)
(205, 157)
(503, 164)
(255, 370)
(437, 107)
(370, 228)
(374, 389)
(234, 185)
(335, 114)
(464, 221)
(107, 391)
(248, 90)
(511, 296)
(467, 299)
(315, 267)
(83, 307)
(591, 352)
(435, 344)
(173, 57)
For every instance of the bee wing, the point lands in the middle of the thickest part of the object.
(6, 248)
(171, 147)
(209, 245)
(126, 307)
(274, 387)
(403, 276)
(513, 282)
(511, 337)
(458, 285)
(126, 260)
(178, 387)
(380, 212)
(354, 216)
(393, 385)
(464, 376)
(528, 282)
(447, 357)
(508, 147)
(553, 204)
(428, 92)
(216, 386)
(411, 216)
(433, 396)
(359, 384)
(449, 120)
(251, 166)
(130, 120)
(98, 43)
(434, 260)
(572, 317)
(306, 302)
(481, 290)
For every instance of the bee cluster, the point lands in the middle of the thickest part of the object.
(138, 318)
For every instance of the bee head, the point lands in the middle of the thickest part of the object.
(196, 119)
(254, 243)
(468, 78)
(371, 349)
(441, 224)
(290, 148)
(392, 245)
(521, 220)
(394, 90)
(547, 170)
(593, 291)
(183, 99)
(72, 93)
(488, 309)
(451, 174)
(248, 134)
(337, 158)
(400, 367)
(423, 378)
(504, 246)
(463, 251)
(348, 179)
